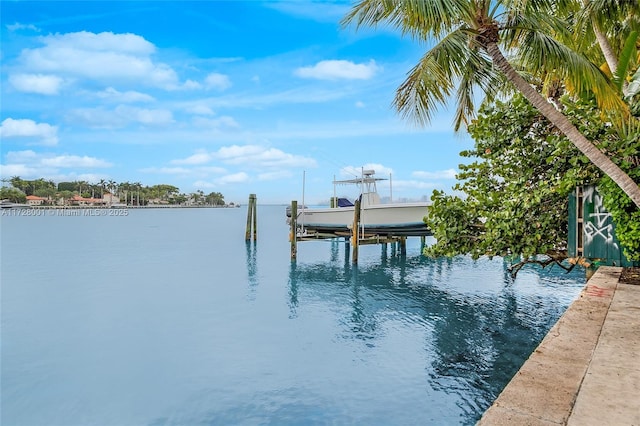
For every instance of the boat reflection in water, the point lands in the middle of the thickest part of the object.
(463, 327)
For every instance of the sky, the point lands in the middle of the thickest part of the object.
(239, 97)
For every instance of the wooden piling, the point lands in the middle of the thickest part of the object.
(293, 235)
(255, 218)
(355, 239)
(251, 219)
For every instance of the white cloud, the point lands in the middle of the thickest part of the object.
(215, 123)
(36, 133)
(105, 57)
(204, 184)
(381, 171)
(18, 26)
(233, 178)
(217, 81)
(211, 170)
(146, 116)
(74, 161)
(200, 110)
(130, 96)
(101, 42)
(22, 170)
(198, 158)
(413, 184)
(443, 174)
(29, 164)
(338, 70)
(259, 156)
(191, 85)
(121, 116)
(25, 156)
(360, 104)
(167, 170)
(186, 171)
(36, 83)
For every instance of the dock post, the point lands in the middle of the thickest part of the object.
(355, 238)
(251, 218)
(403, 246)
(293, 235)
(255, 218)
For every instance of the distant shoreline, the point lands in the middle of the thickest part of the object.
(155, 206)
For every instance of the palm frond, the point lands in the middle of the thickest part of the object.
(634, 86)
(627, 55)
(417, 18)
(603, 12)
(540, 51)
(478, 73)
(450, 64)
(431, 82)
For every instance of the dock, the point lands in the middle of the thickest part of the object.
(355, 237)
(586, 371)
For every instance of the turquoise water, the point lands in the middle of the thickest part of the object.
(168, 317)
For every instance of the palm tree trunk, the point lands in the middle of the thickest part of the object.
(597, 157)
(605, 47)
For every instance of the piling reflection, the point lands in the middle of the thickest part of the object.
(252, 268)
(478, 326)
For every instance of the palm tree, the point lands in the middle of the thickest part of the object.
(102, 184)
(112, 186)
(467, 54)
(80, 184)
(609, 20)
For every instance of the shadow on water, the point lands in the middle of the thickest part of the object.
(477, 338)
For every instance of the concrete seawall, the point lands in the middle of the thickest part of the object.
(586, 371)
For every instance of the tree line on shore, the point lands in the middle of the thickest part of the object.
(130, 193)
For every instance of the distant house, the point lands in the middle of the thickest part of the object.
(157, 201)
(32, 200)
(81, 201)
(109, 199)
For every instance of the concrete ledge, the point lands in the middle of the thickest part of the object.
(555, 385)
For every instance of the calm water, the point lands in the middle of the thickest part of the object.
(167, 317)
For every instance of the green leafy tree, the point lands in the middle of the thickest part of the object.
(12, 194)
(470, 38)
(66, 195)
(66, 186)
(178, 199)
(517, 188)
(215, 199)
(20, 184)
(45, 192)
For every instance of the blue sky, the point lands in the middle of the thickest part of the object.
(237, 97)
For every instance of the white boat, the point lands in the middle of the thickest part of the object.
(6, 204)
(376, 218)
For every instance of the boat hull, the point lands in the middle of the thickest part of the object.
(382, 219)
